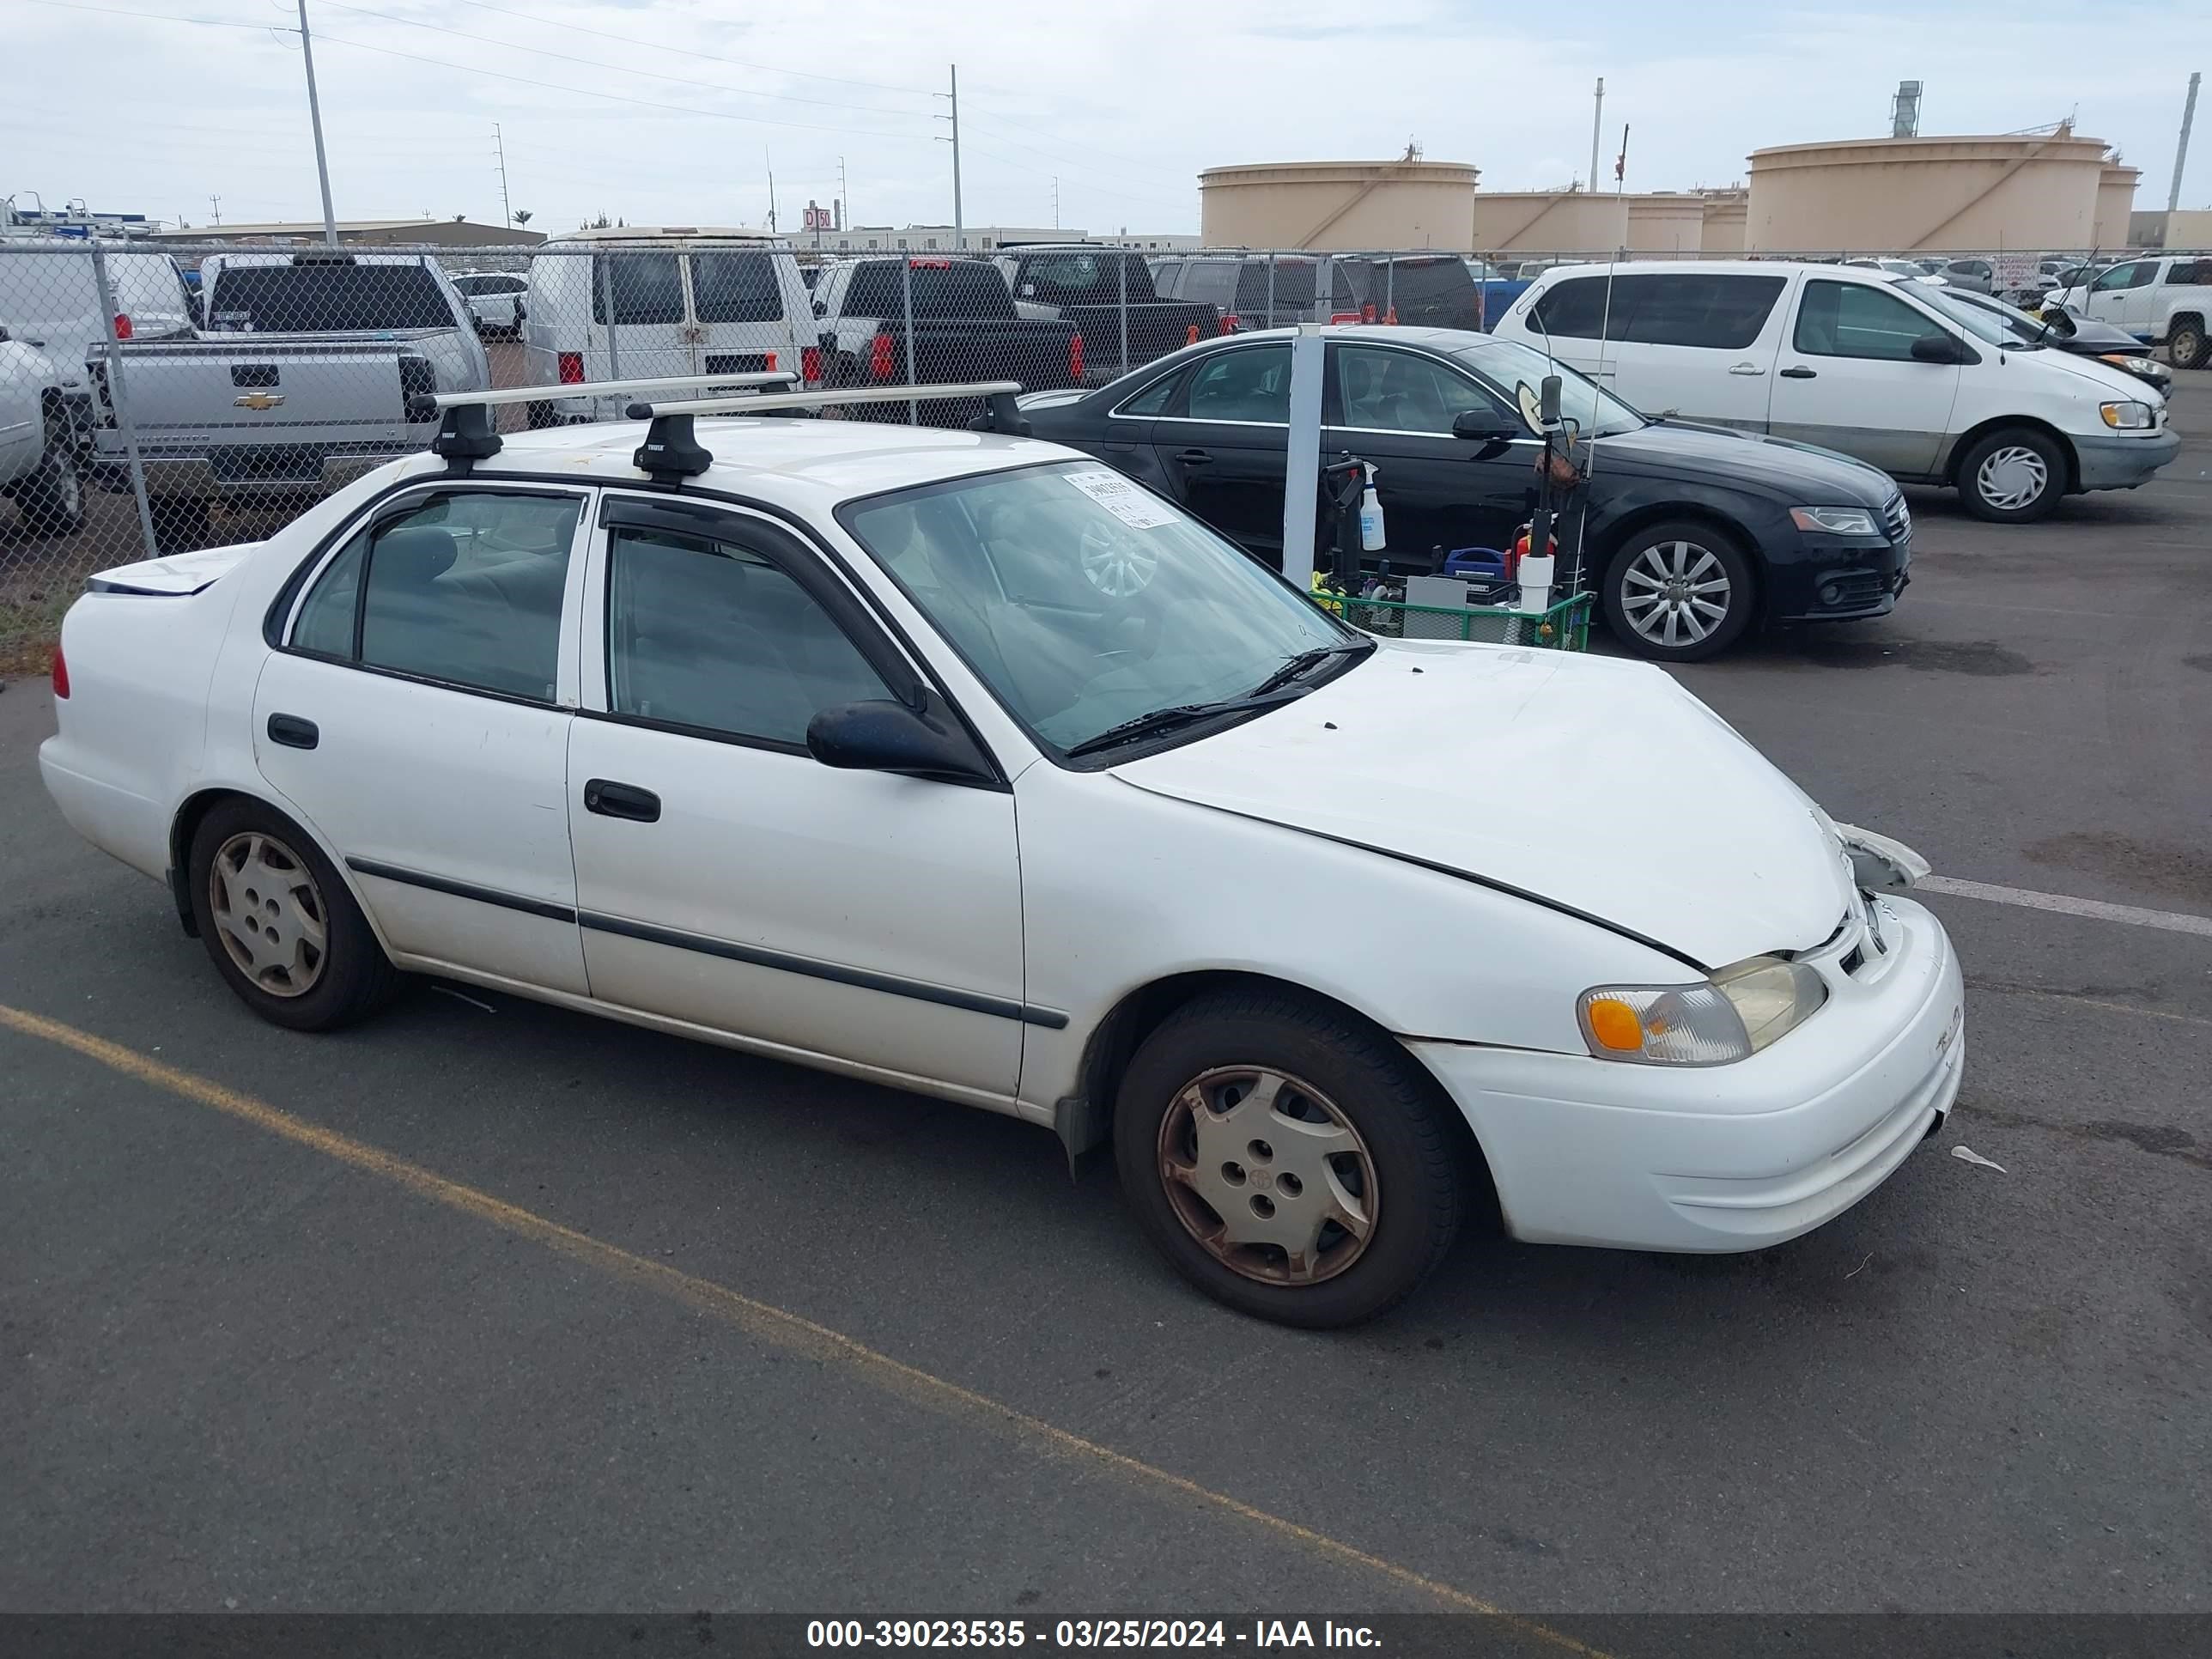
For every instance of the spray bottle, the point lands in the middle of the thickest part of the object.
(1372, 537)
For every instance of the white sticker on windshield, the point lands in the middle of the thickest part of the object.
(1131, 505)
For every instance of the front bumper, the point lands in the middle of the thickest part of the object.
(1840, 579)
(2124, 463)
(1726, 1158)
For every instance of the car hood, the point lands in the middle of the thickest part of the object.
(1591, 784)
(1808, 476)
(2108, 382)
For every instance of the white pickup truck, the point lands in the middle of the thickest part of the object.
(41, 436)
(2161, 301)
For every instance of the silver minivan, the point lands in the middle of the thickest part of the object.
(635, 304)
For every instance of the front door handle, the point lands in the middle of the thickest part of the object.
(622, 800)
(1746, 368)
(293, 731)
(1194, 456)
(1801, 373)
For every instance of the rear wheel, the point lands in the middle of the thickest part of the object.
(1287, 1160)
(1679, 593)
(2014, 475)
(51, 499)
(2187, 344)
(279, 924)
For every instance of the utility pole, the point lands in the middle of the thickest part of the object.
(315, 119)
(1621, 168)
(215, 203)
(954, 118)
(1597, 119)
(1055, 201)
(769, 161)
(2181, 149)
(844, 201)
(505, 206)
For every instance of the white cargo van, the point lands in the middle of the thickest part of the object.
(632, 303)
(1857, 360)
(50, 300)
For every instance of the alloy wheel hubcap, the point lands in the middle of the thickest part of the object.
(2012, 477)
(1266, 1172)
(1116, 567)
(1675, 593)
(269, 914)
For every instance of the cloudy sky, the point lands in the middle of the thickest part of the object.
(672, 111)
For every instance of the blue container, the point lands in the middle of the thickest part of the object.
(1476, 563)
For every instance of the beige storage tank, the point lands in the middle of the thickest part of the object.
(1895, 195)
(1550, 221)
(2116, 201)
(1721, 227)
(1665, 224)
(1405, 203)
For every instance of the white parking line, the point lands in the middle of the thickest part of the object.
(2173, 921)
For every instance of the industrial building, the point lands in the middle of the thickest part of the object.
(366, 233)
(977, 238)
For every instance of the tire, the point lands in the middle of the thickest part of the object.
(297, 984)
(1351, 1087)
(2187, 344)
(180, 522)
(2014, 475)
(1660, 586)
(50, 501)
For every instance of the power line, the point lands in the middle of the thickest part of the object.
(688, 51)
(164, 17)
(597, 64)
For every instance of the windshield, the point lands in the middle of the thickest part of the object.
(1517, 372)
(321, 298)
(1084, 601)
(1999, 324)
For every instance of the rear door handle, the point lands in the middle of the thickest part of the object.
(1801, 373)
(293, 731)
(1746, 368)
(622, 800)
(1194, 456)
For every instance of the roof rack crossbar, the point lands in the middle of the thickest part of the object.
(467, 435)
(927, 392)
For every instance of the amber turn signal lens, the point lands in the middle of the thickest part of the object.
(1614, 1024)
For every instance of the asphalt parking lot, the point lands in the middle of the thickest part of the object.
(488, 1306)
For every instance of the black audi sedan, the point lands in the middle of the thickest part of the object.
(1688, 534)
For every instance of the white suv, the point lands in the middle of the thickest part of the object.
(1861, 362)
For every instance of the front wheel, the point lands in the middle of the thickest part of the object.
(2014, 476)
(1287, 1160)
(1677, 592)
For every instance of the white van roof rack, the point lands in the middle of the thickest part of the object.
(467, 436)
(672, 451)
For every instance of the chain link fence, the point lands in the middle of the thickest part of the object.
(153, 400)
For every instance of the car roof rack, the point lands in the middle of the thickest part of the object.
(466, 434)
(672, 451)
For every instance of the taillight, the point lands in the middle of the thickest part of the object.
(810, 365)
(122, 325)
(883, 359)
(1075, 358)
(572, 369)
(1231, 322)
(61, 673)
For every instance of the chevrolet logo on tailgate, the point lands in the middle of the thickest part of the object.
(258, 400)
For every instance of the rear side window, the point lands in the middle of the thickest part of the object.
(326, 298)
(646, 287)
(943, 290)
(1250, 384)
(736, 288)
(1153, 398)
(1211, 282)
(1852, 319)
(1719, 311)
(466, 589)
(2192, 272)
(1293, 284)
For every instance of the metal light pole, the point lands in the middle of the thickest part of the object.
(505, 206)
(956, 238)
(2181, 150)
(315, 119)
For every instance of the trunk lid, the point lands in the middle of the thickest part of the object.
(174, 576)
(1598, 785)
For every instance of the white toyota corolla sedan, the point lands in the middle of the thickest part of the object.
(956, 761)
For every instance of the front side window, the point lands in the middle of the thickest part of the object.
(1082, 600)
(1251, 385)
(1851, 319)
(645, 288)
(465, 589)
(704, 633)
(1391, 390)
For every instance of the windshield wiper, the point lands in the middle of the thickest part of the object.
(1296, 668)
(1179, 714)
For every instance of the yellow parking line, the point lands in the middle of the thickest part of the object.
(759, 1320)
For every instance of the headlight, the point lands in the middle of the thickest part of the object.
(1834, 521)
(2149, 366)
(2127, 417)
(1738, 1011)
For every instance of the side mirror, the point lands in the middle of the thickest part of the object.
(882, 736)
(1484, 427)
(822, 308)
(1934, 348)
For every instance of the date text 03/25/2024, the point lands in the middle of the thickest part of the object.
(1261, 1634)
